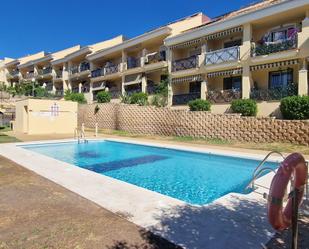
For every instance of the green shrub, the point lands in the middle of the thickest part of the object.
(104, 97)
(139, 98)
(76, 97)
(295, 107)
(246, 107)
(199, 105)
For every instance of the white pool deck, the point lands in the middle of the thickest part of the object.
(233, 221)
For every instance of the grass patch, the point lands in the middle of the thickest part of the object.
(7, 139)
(201, 140)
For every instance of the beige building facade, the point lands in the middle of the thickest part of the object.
(259, 52)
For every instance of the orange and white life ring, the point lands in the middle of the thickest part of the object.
(278, 217)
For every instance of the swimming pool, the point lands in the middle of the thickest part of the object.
(196, 178)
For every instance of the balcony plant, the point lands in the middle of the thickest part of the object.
(199, 105)
(139, 98)
(246, 107)
(75, 97)
(295, 107)
(103, 97)
(161, 94)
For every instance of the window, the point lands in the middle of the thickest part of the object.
(282, 34)
(195, 87)
(280, 78)
(233, 83)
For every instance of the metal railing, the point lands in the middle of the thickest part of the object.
(58, 74)
(44, 71)
(273, 47)
(155, 57)
(184, 64)
(97, 72)
(222, 55)
(111, 69)
(30, 75)
(259, 170)
(133, 62)
(59, 93)
(276, 93)
(223, 96)
(182, 99)
(80, 68)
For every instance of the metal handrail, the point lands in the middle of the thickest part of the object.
(264, 160)
(256, 173)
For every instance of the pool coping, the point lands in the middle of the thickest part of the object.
(136, 204)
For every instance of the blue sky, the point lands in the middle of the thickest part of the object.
(30, 26)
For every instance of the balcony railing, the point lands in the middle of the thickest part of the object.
(58, 74)
(222, 55)
(99, 85)
(80, 68)
(273, 47)
(97, 73)
(111, 69)
(44, 71)
(133, 62)
(155, 57)
(29, 75)
(223, 96)
(182, 99)
(184, 64)
(75, 90)
(13, 74)
(274, 93)
(59, 93)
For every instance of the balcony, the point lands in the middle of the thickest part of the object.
(223, 96)
(29, 75)
(13, 74)
(59, 93)
(184, 64)
(222, 55)
(85, 66)
(45, 71)
(183, 99)
(155, 57)
(133, 62)
(273, 47)
(97, 73)
(276, 93)
(58, 74)
(111, 69)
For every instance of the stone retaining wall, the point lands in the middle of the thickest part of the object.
(169, 122)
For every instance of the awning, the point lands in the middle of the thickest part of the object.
(223, 33)
(191, 78)
(230, 72)
(274, 64)
(208, 37)
(191, 43)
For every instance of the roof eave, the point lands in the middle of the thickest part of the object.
(130, 43)
(235, 21)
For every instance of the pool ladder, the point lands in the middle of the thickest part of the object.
(79, 134)
(259, 170)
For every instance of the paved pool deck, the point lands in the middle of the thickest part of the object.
(233, 221)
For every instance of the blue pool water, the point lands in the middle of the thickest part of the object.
(195, 178)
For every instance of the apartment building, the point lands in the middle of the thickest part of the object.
(260, 51)
(118, 65)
